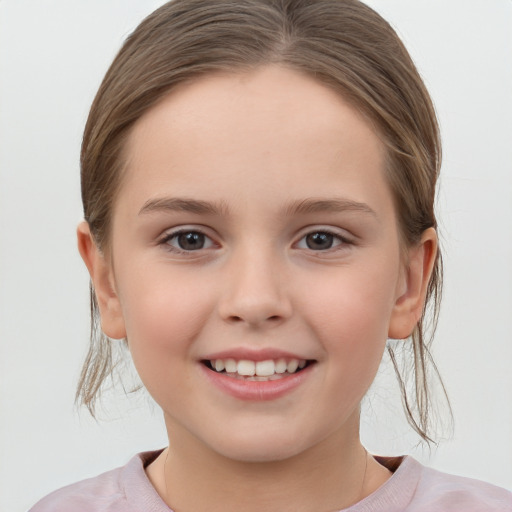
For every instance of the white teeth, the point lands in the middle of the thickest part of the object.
(230, 365)
(245, 367)
(267, 370)
(292, 366)
(281, 366)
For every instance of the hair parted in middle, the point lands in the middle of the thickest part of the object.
(343, 44)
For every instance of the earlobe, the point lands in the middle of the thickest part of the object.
(102, 278)
(409, 303)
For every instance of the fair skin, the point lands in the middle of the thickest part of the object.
(288, 248)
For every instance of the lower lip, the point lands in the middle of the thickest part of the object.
(255, 390)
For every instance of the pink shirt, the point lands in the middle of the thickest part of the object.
(412, 488)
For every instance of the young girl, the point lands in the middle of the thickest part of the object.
(258, 181)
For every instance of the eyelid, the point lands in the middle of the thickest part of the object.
(174, 232)
(345, 238)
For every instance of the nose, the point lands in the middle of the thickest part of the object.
(254, 290)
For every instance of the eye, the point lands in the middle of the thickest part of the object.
(321, 241)
(187, 241)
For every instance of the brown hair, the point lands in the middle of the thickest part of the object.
(341, 43)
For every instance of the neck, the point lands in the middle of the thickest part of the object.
(332, 475)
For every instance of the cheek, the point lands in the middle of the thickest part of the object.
(163, 315)
(351, 315)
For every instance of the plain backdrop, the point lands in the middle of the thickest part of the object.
(53, 55)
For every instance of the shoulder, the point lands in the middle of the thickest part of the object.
(436, 490)
(96, 494)
(108, 492)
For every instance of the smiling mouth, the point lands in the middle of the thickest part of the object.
(259, 371)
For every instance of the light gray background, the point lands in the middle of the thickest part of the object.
(53, 55)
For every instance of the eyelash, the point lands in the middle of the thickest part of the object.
(175, 234)
(343, 241)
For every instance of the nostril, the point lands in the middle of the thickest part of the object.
(273, 319)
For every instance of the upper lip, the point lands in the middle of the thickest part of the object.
(250, 354)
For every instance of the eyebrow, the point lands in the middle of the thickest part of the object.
(312, 205)
(304, 206)
(176, 204)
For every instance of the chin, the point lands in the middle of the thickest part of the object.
(263, 446)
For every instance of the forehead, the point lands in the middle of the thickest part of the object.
(270, 129)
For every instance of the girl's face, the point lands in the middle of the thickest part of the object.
(254, 228)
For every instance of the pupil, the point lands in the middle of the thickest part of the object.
(318, 241)
(191, 241)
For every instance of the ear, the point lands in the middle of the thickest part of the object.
(102, 278)
(413, 286)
